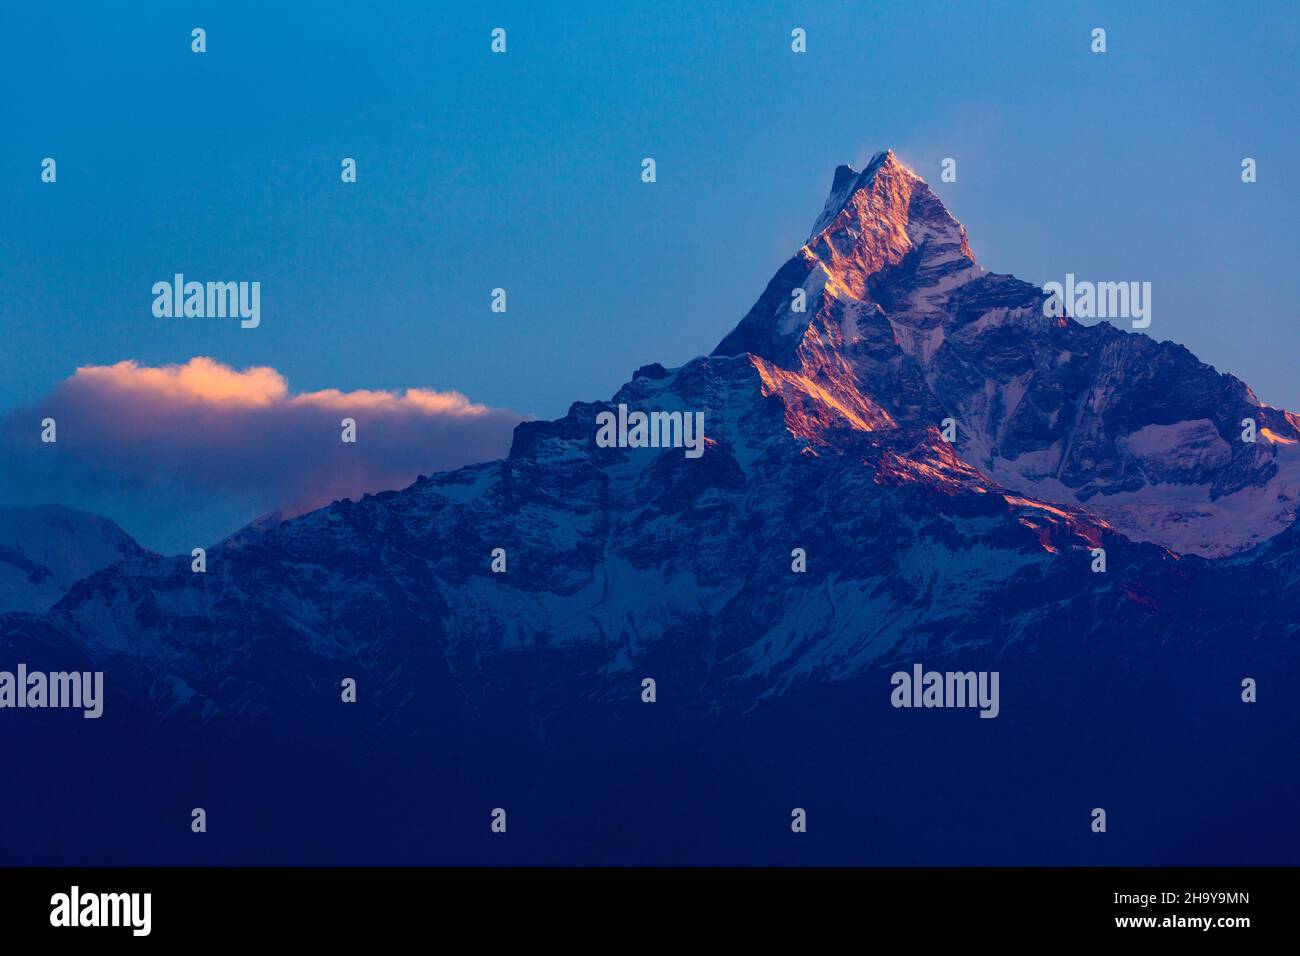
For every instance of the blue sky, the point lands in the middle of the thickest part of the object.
(523, 171)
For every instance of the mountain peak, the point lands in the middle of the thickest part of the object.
(884, 245)
(848, 181)
(884, 308)
(45, 549)
(877, 218)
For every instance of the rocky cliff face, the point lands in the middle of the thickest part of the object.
(1141, 432)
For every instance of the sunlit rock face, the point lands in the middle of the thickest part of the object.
(897, 312)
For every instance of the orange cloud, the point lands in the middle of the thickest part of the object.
(201, 379)
(208, 381)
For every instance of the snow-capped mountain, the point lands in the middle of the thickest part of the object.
(823, 449)
(1141, 432)
(45, 550)
(822, 434)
